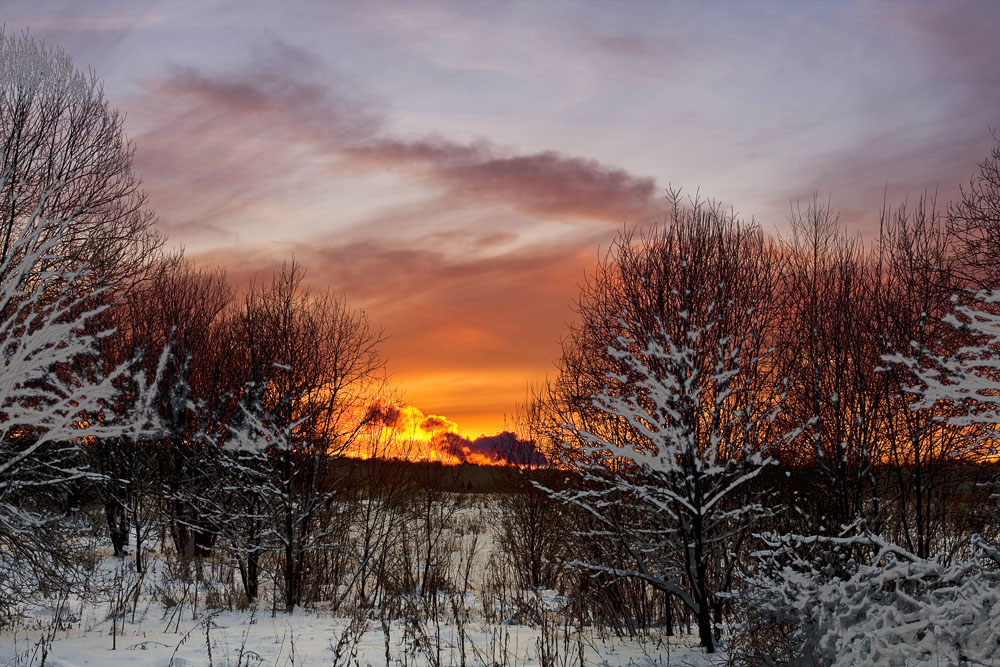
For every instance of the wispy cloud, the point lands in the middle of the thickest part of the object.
(446, 273)
(229, 140)
(546, 183)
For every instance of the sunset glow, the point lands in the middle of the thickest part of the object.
(404, 432)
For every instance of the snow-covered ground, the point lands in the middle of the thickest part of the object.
(307, 638)
(174, 621)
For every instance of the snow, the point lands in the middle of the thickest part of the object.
(891, 608)
(308, 638)
(75, 632)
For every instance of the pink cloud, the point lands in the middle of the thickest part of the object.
(216, 144)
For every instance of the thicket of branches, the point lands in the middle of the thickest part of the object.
(719, 388)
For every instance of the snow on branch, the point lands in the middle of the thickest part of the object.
(876, 603)
(54, 395)
(969, 377)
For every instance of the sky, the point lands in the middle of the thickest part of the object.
(455, 168)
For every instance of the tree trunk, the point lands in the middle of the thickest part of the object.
(204, 541)
(117, 526)
(705, 625)
(701, 589)
(139, 562)
(291, 585)
(250, 575)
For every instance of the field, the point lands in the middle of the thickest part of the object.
(193, 612)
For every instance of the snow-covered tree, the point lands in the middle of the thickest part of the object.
(675, 491)
(967, 379)
(892, 608)
(666, 403)
(54, 398)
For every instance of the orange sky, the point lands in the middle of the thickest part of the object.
(454, 168)
(464, 339)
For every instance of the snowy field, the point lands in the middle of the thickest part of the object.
(84, 634)
(166, 617)
(306, 638)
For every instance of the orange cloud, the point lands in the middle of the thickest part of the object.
(405, 432)
(547, 183)
(434, 424)
(464, 335)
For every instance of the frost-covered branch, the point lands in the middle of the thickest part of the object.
(55, 396)
(969, 377)
(892, 608)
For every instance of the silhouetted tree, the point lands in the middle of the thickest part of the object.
(58, 131)
(668, 387)
(975, 222)
(918, 276)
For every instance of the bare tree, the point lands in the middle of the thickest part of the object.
(382, 505)
(56, 128)
(530, 526)
(670, 394)
(975, 222)
(312, 369)
(49, 411)
(831, 345)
